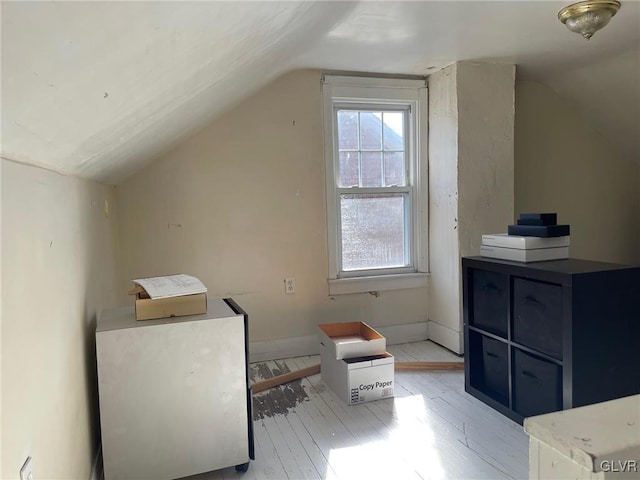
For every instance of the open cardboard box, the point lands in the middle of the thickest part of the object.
(148, 308)
(360, 379)
(351, 339)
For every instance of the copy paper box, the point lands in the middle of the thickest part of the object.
(358, 380)
(351, 339)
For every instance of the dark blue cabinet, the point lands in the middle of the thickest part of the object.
(547, 336)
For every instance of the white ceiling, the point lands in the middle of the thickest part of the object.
(98, 89)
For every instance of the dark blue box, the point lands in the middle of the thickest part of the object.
(538, 219)
(539, 230)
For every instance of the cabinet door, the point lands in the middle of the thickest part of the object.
(173, 398)
(537, 316)
(490, 301)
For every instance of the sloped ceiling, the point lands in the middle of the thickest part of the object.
(98, 89)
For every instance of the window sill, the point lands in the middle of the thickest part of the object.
(341, 286)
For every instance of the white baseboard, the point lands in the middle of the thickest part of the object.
(446, 337)
(96, 469)
(408, 332)
(283, 348)
(309, 345)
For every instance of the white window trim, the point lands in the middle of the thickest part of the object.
(356, 90)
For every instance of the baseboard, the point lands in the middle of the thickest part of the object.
(446, 337)
(309, 345)
(405, 333)
(265, 350)
(97, 472)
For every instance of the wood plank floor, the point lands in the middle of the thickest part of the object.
(432, 429)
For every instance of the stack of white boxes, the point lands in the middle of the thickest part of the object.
(524, 249)
(535, 238)
(354, 362)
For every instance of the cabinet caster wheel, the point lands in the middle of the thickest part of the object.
(243, 467)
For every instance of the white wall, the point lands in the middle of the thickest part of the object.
(1, 355)
(58, 270)
(471, 131)
(444, 249)
(565, 166)
(241, 206)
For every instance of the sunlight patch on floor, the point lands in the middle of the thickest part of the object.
(409, 444)
(415, 436)
(374, 460)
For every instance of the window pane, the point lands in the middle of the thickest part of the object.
(347, 130)
(371, 130)
(373, 231)
(393, 130)
(394, 169)
(348, 170)
(371, 169)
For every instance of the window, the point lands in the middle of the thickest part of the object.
(375, 141)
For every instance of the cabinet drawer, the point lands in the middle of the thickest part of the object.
(537, 385)
(489, 366)
(490, 302)
(495, 366)
(537, 316)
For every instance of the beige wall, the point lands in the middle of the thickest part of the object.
(58, 270)
(563, 165)
(241, 206)
(486, 106)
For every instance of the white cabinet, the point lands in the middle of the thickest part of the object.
(174, 393)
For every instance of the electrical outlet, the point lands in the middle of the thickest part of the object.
(26, 472)
(289, 285)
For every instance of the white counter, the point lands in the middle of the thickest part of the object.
(600, 441)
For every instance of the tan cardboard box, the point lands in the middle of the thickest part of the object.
(149, 309)
(358, 380)
(351, 339)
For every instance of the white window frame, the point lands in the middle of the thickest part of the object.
(366, 92)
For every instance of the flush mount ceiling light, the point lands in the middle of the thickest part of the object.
(586, 18)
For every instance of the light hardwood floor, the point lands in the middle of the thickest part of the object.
(431, 429)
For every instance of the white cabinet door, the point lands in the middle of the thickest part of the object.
(173, 398)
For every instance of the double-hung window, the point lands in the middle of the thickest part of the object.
(375, 149)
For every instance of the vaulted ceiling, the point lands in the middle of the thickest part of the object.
(99, 89)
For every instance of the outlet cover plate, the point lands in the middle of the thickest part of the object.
(289, 285)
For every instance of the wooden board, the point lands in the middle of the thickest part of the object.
(429, 365)
(285, 378)
(315, 369)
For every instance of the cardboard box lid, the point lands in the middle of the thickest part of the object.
(139, 292)
(351, 339)
(170, 286)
